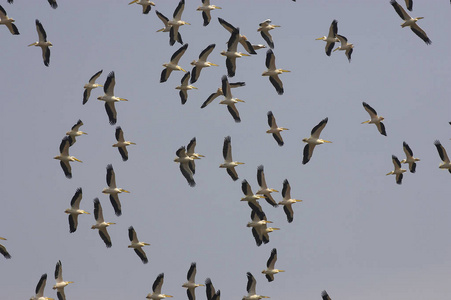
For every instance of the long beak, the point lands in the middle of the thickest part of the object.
(182, 70)
(134, 1)
(69, 281)
(31, 44)
(168, 296)
(160, 30)
(366, 122)
(260, 196)
(146, 244)
(84, 133)
(124, 191)
(239, 100)
(285, 128)
(109, 223)
(297, 200)
(245, 54)
(273, 228)
(132, 143)
(327, 141)
(239, 163)
(281, 270)
(85, 212)
(200, 155)
(319, 39)
(211, 64)
(285, 71)
(273, 190)
(336, 49)
(122, 99)
(2, 239)
(76, 159)
(389, 173)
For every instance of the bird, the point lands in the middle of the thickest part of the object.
(202, 62)
(219, 92)
(190, 285)
(314, 140)
(446, 164)
(75, 131)
(229, 100)
(273, 73)
(109, 98)
(258, 221)
(43, 43)
(205, 9)
(231, 54)
(167, 27)
(252, 198)
(64, 156)
(242, 39)
(187, 166)
(345, 46)
(113, 190)
(261, 230)
(146, 4)
(156, 289)
(331, 38)
(275, 130)
(3, 250)
(409, 4)
(185, 87)
(264, 29)
(40, 289)
(53, 4)
(412, 22)
(122, 143)
(287, 201)
(176, 22)
(75, 210)
(8, 22)
(264, 190)
(101, 225)
(375, 119)
(173, 64)
(409, 158)
(91, 85)
(325, 295)
(270, 271)
(137, 245)
(229, 164)
(398, 170)
(210, 290)
(258, 46)
(190, 149)
(60, 284)
(251, 294)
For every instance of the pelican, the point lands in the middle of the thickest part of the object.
(446, 164)
(210, 290)
(325, 295)
(53, 4)
(231, 54)
(258, 221)
(409, 21)
(251, 283)
(398, 170)
(264, 190)
(229, 164)
(185, 87)
(187, 166)
(229, 100)
(264, 29)
(190, 149)
(101, 225)
(190, 285)
(275, 130)
(43, 43)
(287, 201)
(205, 9)
(146, 4)
(113, 190)
(345, 46)
(270, 271)
(109, 98)
(91, 85)
(75, 210)
(219, 92)
(409, 158)
(273, 73)
(122, 143)
(261, 231)
(8, 22)
(331, 38)
(137, 245)
(241, 38)
(252, 198)
(40, 289)
(173, 64)
(75, 131)
(176, 22)
(202, 62)
(167, 27)
(314, 140)
(64, 156)
(375, 119)
(60, 284)
(3, 250)
(156, 289)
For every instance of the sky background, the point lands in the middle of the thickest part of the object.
(356, 234)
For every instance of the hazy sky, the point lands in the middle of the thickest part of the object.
(356, 233)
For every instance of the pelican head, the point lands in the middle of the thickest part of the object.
(193, 62)
(321, 38)
(305, 140)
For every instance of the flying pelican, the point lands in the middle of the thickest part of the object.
(258, 221)
(101, 225)
(185, 87)
(3, 250)
(409, 21)
(252, 198)
(113, 190)
(251, 294)
(314, 140)
(264, 29)
(75, 210)
(60, 284)
(229, 100)
(398, 170)
(331, 38)
(219, 92)
(137, 245)
(167, 27)
(205, 9)
(146, 4)
(409, 158)
(345, 46)
(273, 73)
(122, 143)
(75, 131)
(202, 62)
(275, 130)
(190, 285)
(231, 54)
(173, 64)
(270, 271)
(156, 289)
(446, 164)
(229, 164)
(43, 43)
(91, 85)
(40, 289)
(261, 231)
(287, 201)
(176, 22)
(375, 119)
(264, 190)
(64, 156)
(190, 149)
(241, 38)
(210, 290)
(325, 295)
(186, 165)
(8, 22)
(109, 98)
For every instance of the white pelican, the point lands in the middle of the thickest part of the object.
(187, 166)
(205, 9)
(345, 46)
(409, 158)
(190, 149)
(173, 64)
(190, 285)
(91, 85)
(40, 289)
(257, 221)
(314, 140)
(75, 131)
(3, 250)
(252, 198)
(273, 73)
(101, 225)
(8, 22)
(398, 170)
(229, 100)
(176, 22)
(167, 27)
(261, 231)
(325, 295)
(241, 38)
(185, 87)
(229, 164)
(232, 53)
(375, 119)
(331, 38)
(446, 164)
(219, 92)
(146, 4)
(122, 143)
(275, 130)
(156, 289)
(109, 98)
(137, 245)
(60, 283)
(251, 294)
(409, 21)
(287, 201)
(43, 43)
(75, 210)
(53, 4)
(210, 290)
(113, 190)
(264, 29)
(64, 156)
(270, 271)
(202, 63)
(264, 190)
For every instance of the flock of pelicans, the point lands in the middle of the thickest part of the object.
(186, 156)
